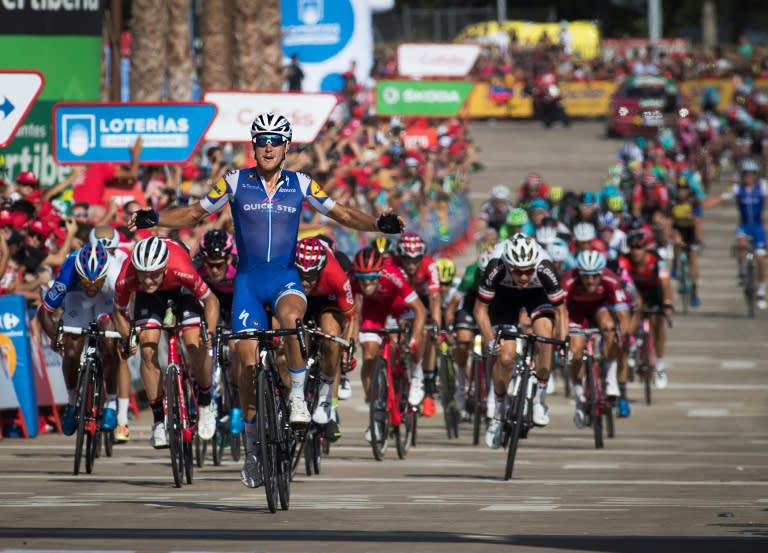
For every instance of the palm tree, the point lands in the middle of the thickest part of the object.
(149, 23)
(215, 32)
(180, 65)
(258, 54)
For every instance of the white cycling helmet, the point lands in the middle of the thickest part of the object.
(558, 250)
(484, 259)
(546, 235)
(748, 165)
(108, 237)
(150, 254)
(520, 251)
(271, 123)
(500, 192)
(590, 262)
(584, 232)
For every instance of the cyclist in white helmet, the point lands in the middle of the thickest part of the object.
(266, 203)
(520, 276)
(160, 270)
(495, 210)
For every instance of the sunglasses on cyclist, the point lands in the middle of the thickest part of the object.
(153, 275)
(523, 272)
(85, 283)
(309, 276)
(261, 140)
(368, 276)
(217, 264)
(590, 276)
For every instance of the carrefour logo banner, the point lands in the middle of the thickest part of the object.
(97, 133)
(427, 98)
(328, 36)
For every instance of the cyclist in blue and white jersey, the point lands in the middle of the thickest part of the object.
(750, 194)
(82, 292)
(266, 203)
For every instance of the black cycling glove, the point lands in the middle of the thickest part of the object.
(389, 224)
(146, 218)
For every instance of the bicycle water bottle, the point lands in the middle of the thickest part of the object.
(477, 347)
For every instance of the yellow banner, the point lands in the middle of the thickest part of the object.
(693, 89)
(587, 99)
(580, 100)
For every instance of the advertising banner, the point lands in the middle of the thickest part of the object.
(436, 60)
(14, 348)
(482, 103)
(329, 36)
(51, 17)
(96, 133)
(692, 90)
(587, 99)
(18, 91)
(427, 98)
(307, 113)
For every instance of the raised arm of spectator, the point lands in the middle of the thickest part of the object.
(133, 172)
(57, 259)
(4, 255)
(57, 189)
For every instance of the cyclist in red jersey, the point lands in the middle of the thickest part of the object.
(421, 270)
(160, 270)
(216, 256)
(650, 197)
(595, 298)
(651, 277)
(585, 238)
(385, 293)
(330, 304)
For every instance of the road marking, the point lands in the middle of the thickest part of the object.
(590, 466)
(517, 507)
(737, 364)
(703, 412)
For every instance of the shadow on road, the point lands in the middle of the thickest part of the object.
(613, 544)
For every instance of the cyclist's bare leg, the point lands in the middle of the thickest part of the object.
(464, 339)
(575, 368)
(199, 359)
(659, 328)
(760, 264)
(70, 363)
(370, 352)
(543, 354)
(289, 308)
(331, 323)
(110, 363)
(150, 367)
(247, 352)
(741, 252)
(502, 366)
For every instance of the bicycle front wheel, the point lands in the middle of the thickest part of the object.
(750, 289)
(595, 414)
(82, 407)
(515, 420)
(282, 444)
(95, 412)
(378, 416)
(478, 395)
(173, 425)
(446, 376)
(265, 400)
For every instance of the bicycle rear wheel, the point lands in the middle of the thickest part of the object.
(378, 416)
(514, 420)
(684, 284)
(188, 441)
(81, 410)
(265, 412)
(478, 395)
(201, 447)
(610, 428)
(447, 378)
(173, 425)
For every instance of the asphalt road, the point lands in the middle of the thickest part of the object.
(687, 473)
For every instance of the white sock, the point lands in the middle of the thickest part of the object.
(122, 410)
(612, 366)
(298, 376)
(417, 371)
(112, 401)
(578, 391)
(72, 396)
(326, 388)
(499, 407)
(659, 364)
(761, 289)
(541, 392)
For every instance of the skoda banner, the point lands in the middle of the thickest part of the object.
(427, 98)
(329, 36)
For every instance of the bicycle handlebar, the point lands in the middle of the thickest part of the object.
(513, 334)
(112, 334)
(300, 332)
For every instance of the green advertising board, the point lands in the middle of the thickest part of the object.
(71, 66)
(421, 98)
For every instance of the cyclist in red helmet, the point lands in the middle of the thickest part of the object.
(385, 293)
(331, 305)
(421, 271)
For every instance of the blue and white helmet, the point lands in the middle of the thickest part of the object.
(271, 123)
(590, 262)
(92, 262)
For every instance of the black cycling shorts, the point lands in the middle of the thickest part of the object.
(507, 303)
(149, 309)
(652, 297)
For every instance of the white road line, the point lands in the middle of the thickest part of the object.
(590, 466)
(737, 364)
(521, 508)
(708, 412)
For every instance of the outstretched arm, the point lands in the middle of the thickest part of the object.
(356, 219)
(176, 217)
